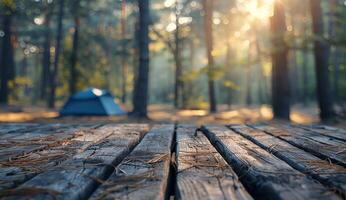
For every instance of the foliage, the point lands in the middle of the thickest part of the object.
(242, 47)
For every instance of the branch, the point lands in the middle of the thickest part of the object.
(165, 40)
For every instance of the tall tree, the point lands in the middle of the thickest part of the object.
(7, 57)
(249, 78)
(124, 51)
(178, 86)
(280, 80)
(46, 57)
(140, 100)
(208, 29)
(229, 73)
(321, 51)
(74, 54)
(304, 65)
(335, 52)
(54, 72)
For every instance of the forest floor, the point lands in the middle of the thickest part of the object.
(166, 114)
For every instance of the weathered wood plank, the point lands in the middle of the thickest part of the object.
(329, 131)
(321, 146)
(264, 175)
(41, 138)
(144, 173)
(331, 175)
(38, 130)
(19, 169)
(202, 173)
(14, 127)
(77, 177)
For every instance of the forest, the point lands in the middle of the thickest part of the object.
(210, 56)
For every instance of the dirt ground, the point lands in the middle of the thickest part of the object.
(166, 114)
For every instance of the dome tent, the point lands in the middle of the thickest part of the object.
(92, 101)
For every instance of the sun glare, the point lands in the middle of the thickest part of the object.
(258, 10)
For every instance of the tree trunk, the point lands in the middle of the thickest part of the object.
(305, 58)
(24, 65)
(321, 51)
(124, 53)
(229, 74)
(141, 89)
(7, 61)
(37, 79)
(208, 29)
(333, 5)
(280, 81)
(305, 76)
(46, 56)
(54, 73)
(248, 78)
(74, 55)
(135, 56)
(177, 60)
(293, 72)
(262, 85)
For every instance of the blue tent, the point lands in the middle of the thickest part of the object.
(92, 101)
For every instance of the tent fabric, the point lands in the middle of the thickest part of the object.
(92, 101)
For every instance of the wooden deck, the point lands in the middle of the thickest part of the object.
(139, 161)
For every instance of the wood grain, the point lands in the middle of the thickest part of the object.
(202, 173)
(264, 175)
(331, 175)
(321, 146)
(17, 144)
(144, 173)
(329, 131)
(77, 177)
(20, 169)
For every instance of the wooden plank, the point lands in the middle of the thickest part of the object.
(202, 173)
(37, 140)
(264, 175)
(321, 146)
(331, 175)
(14, 127)
(43, 130)
(145, 172)
(329, 131)
(78, 177)
(20, 169)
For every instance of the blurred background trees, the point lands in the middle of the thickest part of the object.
(201, 55)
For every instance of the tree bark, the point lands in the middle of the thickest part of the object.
(293, 72)
(321, 51)
(46, 55)
(124, 53)
(7, 61)
(305, 81)
(262, 85)
(248, 78)
(208, 29)
(229, 74)
(332, 25)
(177, 59)
(280, 81)
(305, 58)
(54, 73)
(141, 89)
(74, 55)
